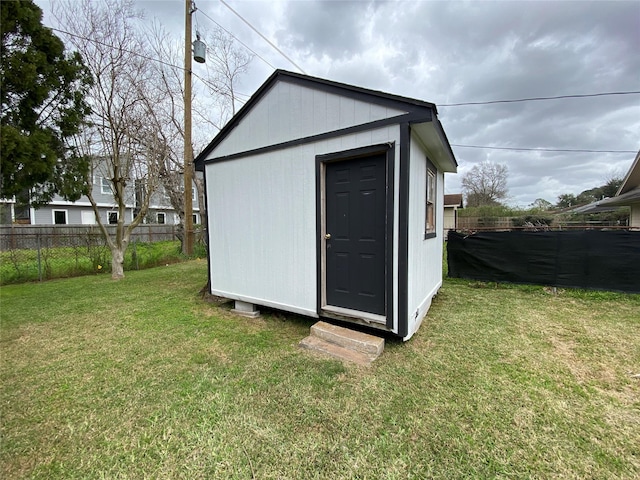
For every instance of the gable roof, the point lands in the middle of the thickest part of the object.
(419, 111)
(629, 191)
(453, 200)
(632, 180)
(599, 206)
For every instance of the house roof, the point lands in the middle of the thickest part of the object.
(629, 191)
(627, 194)
(627, 198)
(594, 207)
(632, 179)
(420, 113)
(453, 200)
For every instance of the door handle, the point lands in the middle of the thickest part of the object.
(327, 236)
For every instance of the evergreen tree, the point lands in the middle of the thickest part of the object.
(42, 90)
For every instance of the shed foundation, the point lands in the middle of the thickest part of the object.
(245, 309)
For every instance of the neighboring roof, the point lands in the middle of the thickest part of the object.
(632, 180)
(453, 200)
(422, 110)
(627, 198)
(627, 194)
(594, 207)
(629, 191)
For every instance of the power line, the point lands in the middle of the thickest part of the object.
(213, 86)
(146, 57)
(98, 42)
(534, 99)
(566, 150)
(239, 41)
(602, 94)
(263, 37)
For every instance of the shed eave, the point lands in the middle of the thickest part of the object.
(435, 140)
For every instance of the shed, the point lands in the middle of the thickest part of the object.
(326, 199)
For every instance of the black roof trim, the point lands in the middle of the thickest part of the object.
(320, 136)
(359, 93)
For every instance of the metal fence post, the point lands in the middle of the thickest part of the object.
(39, 258)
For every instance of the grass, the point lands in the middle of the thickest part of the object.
(142, 379)
(24, 265)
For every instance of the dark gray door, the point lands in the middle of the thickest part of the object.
(356, 232)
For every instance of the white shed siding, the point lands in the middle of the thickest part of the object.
(262, 223)
(290, 112)
(261, 230)
(424, 256)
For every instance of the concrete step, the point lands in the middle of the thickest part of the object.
(343, 343)
(352, 339)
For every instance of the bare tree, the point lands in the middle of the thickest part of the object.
(225, 64)
(167, 118)
(128, 149)
(485, 184)
(228, 64)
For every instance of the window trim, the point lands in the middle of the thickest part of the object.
(58, 210)
(164, 218)
(104, 187)
(109, 215)
(431, 201)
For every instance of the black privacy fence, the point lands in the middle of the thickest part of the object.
(589, 259)
(37, 254)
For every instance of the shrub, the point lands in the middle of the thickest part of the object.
(536, 220)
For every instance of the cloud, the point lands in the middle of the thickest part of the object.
(324, 29)
(449, 52)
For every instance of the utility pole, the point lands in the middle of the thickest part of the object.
(187, 244)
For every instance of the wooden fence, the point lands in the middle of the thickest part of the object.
(465, 224)
(32, 236)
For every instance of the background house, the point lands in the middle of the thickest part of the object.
(452, 203)
(161, 212)
(326, 199)
(63, 212)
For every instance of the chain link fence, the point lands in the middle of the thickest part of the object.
(37, 253)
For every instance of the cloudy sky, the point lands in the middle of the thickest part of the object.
(449, 52)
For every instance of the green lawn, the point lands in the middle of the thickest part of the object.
(142, 379)
(86, 257)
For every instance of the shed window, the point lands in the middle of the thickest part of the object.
(430, 215)
(160, 218)
(113, 217)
